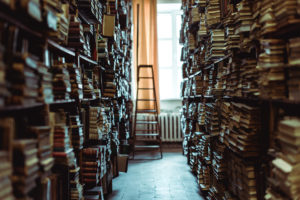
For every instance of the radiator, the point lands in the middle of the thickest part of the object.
(170, 126)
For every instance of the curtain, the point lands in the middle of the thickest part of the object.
(148, 52)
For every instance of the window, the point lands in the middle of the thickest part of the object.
(169, 50)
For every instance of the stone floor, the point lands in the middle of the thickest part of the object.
(169, 178)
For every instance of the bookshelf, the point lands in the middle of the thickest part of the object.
(238, 94)
(65, 91)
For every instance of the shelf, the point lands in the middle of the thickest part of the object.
(245, 99)
(11, 18)
(59, 102)
(19, 108)
(88, 60)
(60, 48)
(217, 61)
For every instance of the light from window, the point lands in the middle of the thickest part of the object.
(169, 50)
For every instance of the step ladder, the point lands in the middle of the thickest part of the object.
(149, 136)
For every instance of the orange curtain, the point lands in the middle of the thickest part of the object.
(148, 52)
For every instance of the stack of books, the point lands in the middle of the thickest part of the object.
(293, 83)
(213, 13)
(45, 84)
(225, 116)
(256, 26)
(3, 87)
(59, 13)
(102, 50)
(46, 161)
(244, 17)
(75, 80)
(25, 166)
(212, 119)
(202, 32)
(76, 37)
(285, 167)
(216, 44)
(94, 124)
(242, 178)
(61, 82)
(249, 77)
(294, 51)
(285, 10)
(23, 79)
(77, 132)
(219, 172)
(110, 86)
(92, 8)
(96, 84)
(5, 177)
(62, 149)
(267, 18)
(90, 171)
(245, 124)
(76, 189)
(271, 65)
(232, 39)
(201, 113)
(88, 89)
(195, 16)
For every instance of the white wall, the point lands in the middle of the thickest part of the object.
(172, 105)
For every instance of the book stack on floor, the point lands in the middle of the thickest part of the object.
(5, 177)
(25, 167)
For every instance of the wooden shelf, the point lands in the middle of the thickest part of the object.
(55, 46)
(88, 60)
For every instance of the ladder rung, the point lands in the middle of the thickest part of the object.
(145, 66)
(146, 111)
(146, 88)
(146, 122)
(147, 146)
(146, 99)
(147, 140)
(146, 134)
(148, 130)
(146, 77)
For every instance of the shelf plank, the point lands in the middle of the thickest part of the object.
(60, 48)
(88, 60)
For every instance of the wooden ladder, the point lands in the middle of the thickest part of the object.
(150, 134)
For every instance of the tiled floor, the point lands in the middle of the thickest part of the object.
(164, 179)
